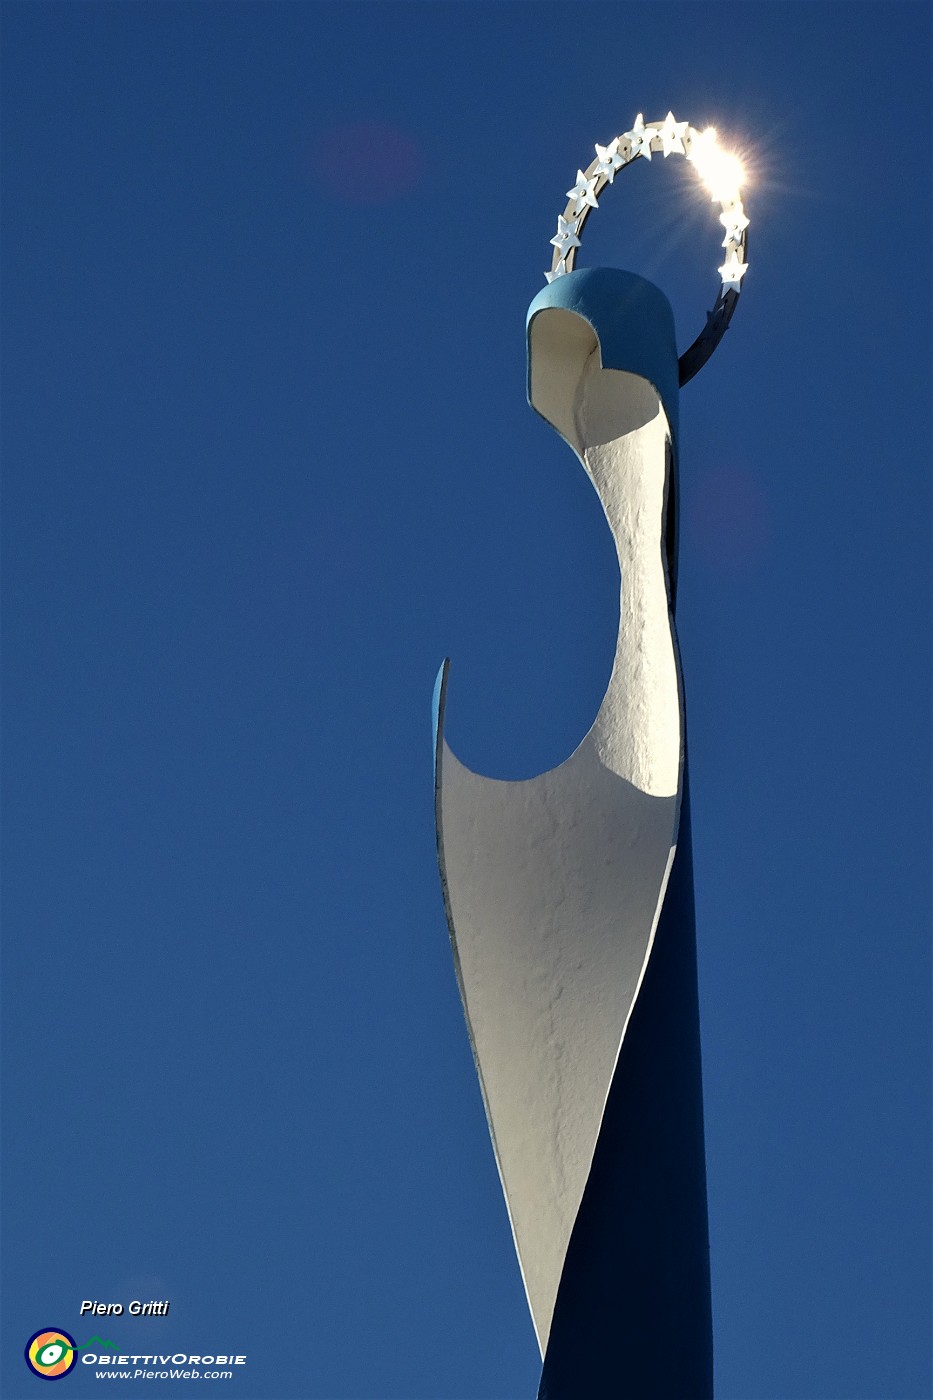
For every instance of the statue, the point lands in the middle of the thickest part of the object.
(569, 896)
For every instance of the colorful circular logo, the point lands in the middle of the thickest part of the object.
(51, 1353)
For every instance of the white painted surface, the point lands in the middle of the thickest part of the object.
(554, 884)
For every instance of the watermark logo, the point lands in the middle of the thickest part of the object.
(51, 1353)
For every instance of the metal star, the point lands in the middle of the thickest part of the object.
(559, 271)
(641, 137)
(566, 236)
(582, 193)
(702, 144)
(609, 160)
(672, 135)
(732, 272)
(733, 221)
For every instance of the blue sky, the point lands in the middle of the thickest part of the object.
(267, 461)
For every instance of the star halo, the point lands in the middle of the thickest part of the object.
(719, 171)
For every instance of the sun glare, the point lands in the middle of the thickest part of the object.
(721, 172)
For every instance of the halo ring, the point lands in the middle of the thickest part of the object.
(702, 150)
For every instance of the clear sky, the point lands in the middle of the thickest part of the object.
(268, 460)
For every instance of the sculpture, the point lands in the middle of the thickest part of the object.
(569, 896)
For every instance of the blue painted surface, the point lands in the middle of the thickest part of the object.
(437, 709)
